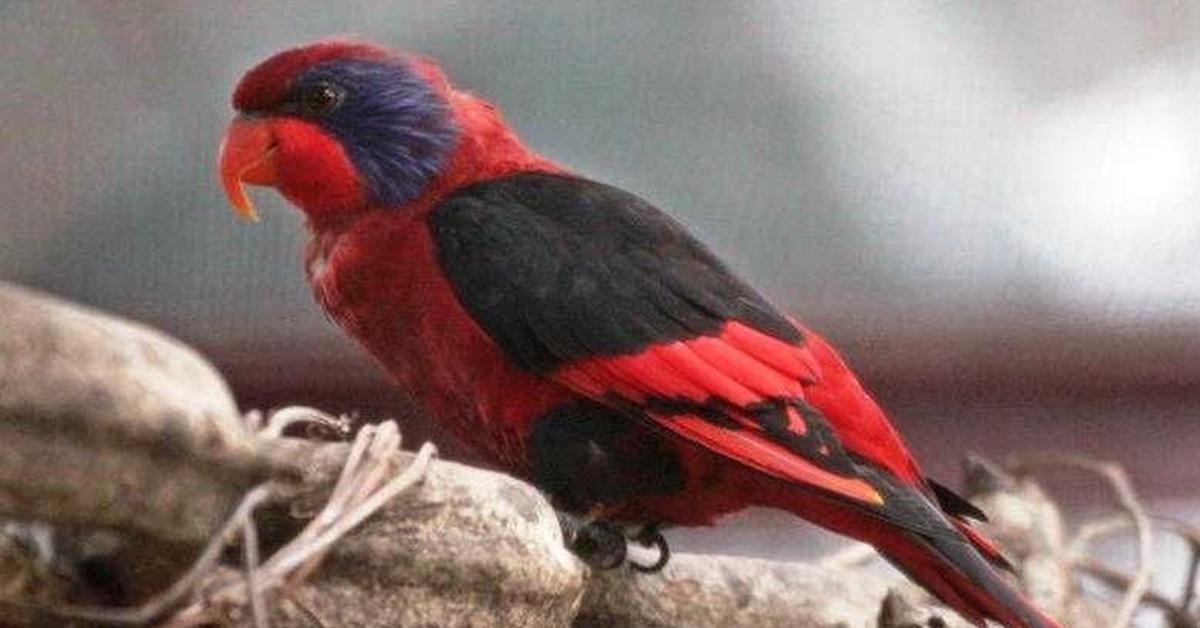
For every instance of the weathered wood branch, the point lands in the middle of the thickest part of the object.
(112, 431)
(104, 422)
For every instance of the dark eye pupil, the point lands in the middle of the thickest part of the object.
(321, 99)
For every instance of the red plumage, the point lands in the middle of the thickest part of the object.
(795, 427)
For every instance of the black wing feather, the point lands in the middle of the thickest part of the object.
(558, 268)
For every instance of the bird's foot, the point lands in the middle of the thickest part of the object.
(650, 537)
(603, 544)
(600, 544)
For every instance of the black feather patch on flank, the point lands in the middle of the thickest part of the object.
(583, 453)
(556, 268)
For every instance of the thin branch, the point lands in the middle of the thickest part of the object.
(411, 475)
(258, 606)
(1190, 534)
(1189, 582)
(1178, 617)
(294, 415)
(1118, 480)
(1092, 531)
(363, 487)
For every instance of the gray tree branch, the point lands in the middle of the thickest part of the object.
(122, 444)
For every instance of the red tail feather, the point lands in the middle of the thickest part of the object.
(930, 548)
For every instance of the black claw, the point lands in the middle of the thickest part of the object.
(600, 544)
(651, 537)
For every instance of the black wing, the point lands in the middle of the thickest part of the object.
(600, 291)
(558, 268)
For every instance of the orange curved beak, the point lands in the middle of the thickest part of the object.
(247, 156)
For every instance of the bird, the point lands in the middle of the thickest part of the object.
(572, 333)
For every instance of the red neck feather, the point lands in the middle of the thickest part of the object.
(486, 148)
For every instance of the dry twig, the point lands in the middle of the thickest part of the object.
(363, 487)
(1191, 535)
(1118, 480)
(366, 483)
(1093, 531)
(284, 418)
(1177, 616)
(258, 609)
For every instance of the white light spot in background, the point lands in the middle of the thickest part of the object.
(1110, 200)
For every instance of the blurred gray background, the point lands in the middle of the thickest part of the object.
(991, 207)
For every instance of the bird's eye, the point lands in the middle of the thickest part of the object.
(321, 99)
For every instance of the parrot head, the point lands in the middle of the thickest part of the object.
(337, 126)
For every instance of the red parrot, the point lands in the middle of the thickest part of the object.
(571, 332)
